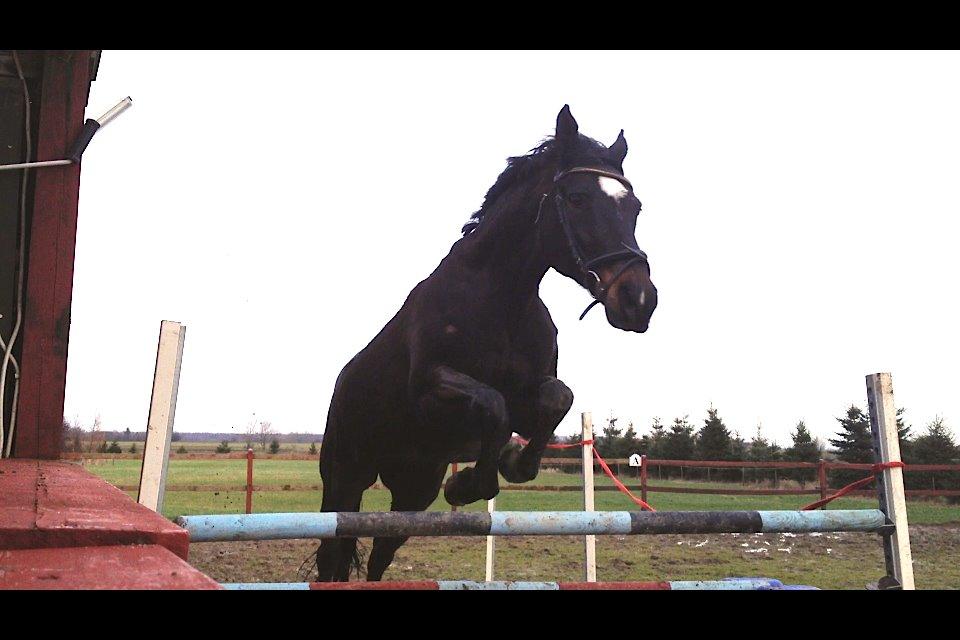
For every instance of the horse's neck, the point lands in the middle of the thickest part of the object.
(508, 250)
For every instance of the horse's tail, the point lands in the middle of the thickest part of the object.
(357, 559)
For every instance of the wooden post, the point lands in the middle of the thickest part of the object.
(886, 448)
(249, 481)
(163, 405)
(589, 542)
(822, 479)
(453, 470)
(643, 477)
(491, 544)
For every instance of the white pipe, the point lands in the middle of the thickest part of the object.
(117, 109)
(32, 165)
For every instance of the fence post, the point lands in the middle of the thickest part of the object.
(886, 448)
(249, 481)
(491, 543)
(589, 542)
(643, 477)
(453, 470)
(822, 478)
(163, 406)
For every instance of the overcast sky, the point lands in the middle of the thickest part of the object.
(800, 213)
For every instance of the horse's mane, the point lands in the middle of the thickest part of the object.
(519, 168)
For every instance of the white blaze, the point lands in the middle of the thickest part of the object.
(611, 187)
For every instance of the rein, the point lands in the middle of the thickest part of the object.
(635, 254)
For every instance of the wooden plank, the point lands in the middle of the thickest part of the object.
(53, 231)
(886, 447)
(589, 541)
(163, 406)
(46, 503)
(102, 567)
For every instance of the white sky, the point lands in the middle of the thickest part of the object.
(800, 212)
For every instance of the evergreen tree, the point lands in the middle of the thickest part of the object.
(608, 443)
(935, 446)
(761, 450)
(713, 440)
(313, 448)
(679, 443)
(274, 446)
(854, 442)
(656, 439)
(630, 443)
(804, 449)
(906, 443)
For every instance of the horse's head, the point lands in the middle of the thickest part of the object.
(587, 224)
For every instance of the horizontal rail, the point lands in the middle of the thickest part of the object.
(566, 488)
(713, 464)
(290, 526)
(730, 584)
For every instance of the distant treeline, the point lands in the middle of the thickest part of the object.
(714, 441)
(79, 434)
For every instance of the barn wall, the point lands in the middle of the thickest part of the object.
(59, 102)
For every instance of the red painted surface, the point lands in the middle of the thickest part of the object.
(116, 567)
(53, 231)
(408, 585)
(46, 504)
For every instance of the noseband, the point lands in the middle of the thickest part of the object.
(634, 254)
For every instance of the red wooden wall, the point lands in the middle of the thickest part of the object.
(52, 239)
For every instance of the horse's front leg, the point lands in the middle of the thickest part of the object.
(551, 403)
(466, 408)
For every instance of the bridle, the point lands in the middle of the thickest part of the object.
(635, 254)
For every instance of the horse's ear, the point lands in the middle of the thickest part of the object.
(618, 150)
(567, 127)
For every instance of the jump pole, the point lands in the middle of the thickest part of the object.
(313, 525)
(730, 584)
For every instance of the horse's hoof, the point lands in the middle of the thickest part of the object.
(466, 486)
(514, 467)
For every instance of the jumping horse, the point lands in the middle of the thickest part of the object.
(471, 357)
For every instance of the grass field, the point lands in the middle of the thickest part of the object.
(829, 561)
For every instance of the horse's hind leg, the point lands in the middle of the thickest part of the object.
(413, 489)
(343, 488)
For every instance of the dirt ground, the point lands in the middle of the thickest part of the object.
(828, 560)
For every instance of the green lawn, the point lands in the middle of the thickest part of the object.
(304, 473)
(838, 561)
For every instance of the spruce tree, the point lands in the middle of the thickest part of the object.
(935, 446)
(679, 443)
(903, 432)
(804, 449)
(608, 443)
(656, 439)
(854, 442)
(713, 441)
(629, 442)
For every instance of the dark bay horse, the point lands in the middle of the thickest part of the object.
(471, 357)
